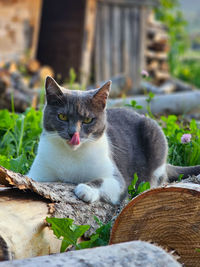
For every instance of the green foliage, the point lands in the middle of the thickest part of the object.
(188, 70)
(19, 136)
(133, 190)
(169, 13)
(180, 154)
(148, 100)
(99, 238)
(66, 229)
(72, 77)
(134, 105)
(69, 232)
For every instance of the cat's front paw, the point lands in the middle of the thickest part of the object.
(86, 193)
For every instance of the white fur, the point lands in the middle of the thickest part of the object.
(87, 193)
(57, 161)
(159, 172)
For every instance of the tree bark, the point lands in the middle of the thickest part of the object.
(24, 207)
(132, 254)
(168, 216)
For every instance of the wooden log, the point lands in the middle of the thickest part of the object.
(181, 85)
(168, 216)
(175, 103)
(158, 46)
(153, 65)
(156, 55)
(33, 66)
(22, 227)
(161, 75)
(164, 66)
(133, 254)
(23, 232)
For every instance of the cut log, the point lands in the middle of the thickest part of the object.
(153, 65)
(23, 232)
(132, 254)
(167, 216)
(33, 66)
(181, 85)
(175, 103)
(161, 75)
(156, 55)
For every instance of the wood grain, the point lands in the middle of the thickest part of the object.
(168, 216)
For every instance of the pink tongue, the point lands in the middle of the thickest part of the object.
(75, 139)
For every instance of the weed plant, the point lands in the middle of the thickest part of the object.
(19, 137)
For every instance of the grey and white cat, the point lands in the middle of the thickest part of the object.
(99, 149)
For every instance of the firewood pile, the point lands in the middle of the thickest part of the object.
(21, 80)
(157, 47)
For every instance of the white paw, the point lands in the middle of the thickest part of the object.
(86, 193)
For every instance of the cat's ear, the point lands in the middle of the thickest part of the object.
(53, 91)
(101, 95)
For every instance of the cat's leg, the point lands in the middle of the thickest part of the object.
(109, 189)
(156, 150)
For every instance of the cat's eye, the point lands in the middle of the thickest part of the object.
(62, 117)
(87, 120)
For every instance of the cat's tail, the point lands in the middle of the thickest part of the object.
(174, 172)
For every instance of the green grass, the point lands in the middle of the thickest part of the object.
(19, 137)
(181, 154)
(188, 70)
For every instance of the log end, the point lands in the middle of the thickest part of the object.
(168, 216)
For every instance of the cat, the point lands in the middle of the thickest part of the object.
(99, 149)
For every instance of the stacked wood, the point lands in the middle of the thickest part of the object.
(168, 216)
(16, 80)
(157, 47)
(136, 253)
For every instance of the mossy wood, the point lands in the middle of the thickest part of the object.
(167, 216)
(24, 205)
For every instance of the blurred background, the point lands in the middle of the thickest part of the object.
(84, 43)
(150, 49)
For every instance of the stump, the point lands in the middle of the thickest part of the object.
(167, 216)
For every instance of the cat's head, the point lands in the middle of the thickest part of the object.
(72, 113)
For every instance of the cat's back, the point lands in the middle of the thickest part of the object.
(122, 120)
(131, 136)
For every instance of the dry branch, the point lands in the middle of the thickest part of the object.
(168, 216)
(55, 199)
(126, 254)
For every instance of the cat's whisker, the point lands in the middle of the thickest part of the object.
(123, 150)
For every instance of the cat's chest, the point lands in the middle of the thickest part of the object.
(85, 164)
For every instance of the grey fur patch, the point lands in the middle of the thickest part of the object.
(96, 183)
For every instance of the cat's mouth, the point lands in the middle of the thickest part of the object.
(75, 140)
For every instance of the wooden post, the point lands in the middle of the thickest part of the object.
(88, 40)
(36, 8)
